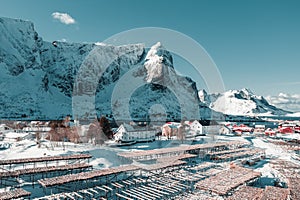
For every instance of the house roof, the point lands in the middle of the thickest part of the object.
(208, 122)
(130, 128)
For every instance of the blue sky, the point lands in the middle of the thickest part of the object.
(255, 44)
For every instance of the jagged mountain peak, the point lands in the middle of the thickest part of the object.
(159, 65)
(159, 54)
(202, 92)
(240, 102)
(245, 93)
(203, 96)
(157, 50)
(154, 50)
(40, 79)
(15, 21)
(20, 46)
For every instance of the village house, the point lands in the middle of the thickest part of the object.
(259, 128)
(203, 127)
(127, 133)
(175, 129)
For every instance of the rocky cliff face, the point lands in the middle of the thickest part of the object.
(39, 79)
(20, 46)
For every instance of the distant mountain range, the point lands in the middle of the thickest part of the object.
(240, 102)
(49, 80)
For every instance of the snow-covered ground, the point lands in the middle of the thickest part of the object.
(289, 136)
(103, 157)
(106, 157)
(272, 151)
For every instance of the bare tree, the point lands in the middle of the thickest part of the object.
(105, 125)
(95, 133)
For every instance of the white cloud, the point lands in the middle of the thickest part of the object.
(285, 101)
(63, 40)
(63, 18)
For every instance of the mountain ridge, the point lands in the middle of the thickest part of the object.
(41, 79)
(240, 102)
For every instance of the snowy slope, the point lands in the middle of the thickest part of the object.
(40, 80)
(240, 102)
(164, 87)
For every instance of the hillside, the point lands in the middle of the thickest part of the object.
(49, 80)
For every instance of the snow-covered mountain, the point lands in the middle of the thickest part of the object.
(240, 102)
(49, 80)
(41, 79)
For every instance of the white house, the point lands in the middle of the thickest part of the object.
(203, 127)
(127, 133)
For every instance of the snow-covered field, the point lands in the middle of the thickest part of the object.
(106, 157)
(102, 156)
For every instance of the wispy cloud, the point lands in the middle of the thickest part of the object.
(285, 101)
(289, 83)
(63, 18)
(63, 40)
